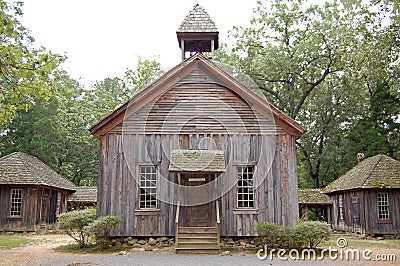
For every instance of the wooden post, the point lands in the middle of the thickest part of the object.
(183, 49)
(212, 50)
(306, 212)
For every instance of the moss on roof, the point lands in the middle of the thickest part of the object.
(197, 161)
(19, 168)
(379, 171)
(313, 196)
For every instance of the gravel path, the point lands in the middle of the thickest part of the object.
(42, 253)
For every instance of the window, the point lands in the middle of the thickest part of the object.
(341, 207)
(148, 187)
(16, 202)
(383, 206)
(245, 187)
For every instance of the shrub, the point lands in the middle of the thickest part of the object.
(305, 234)
(311, 234)
(75, 222)
(273, 235)
(102, 228)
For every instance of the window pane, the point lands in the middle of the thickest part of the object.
(383, 206)
(16, 202)
(245, 187)
(148, 187)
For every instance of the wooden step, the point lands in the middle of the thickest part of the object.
(197, 230)
(197, 240)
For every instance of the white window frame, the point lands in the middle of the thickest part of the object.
(340, 204)
(383, 206)
(245, 190)
(16, 202)
(148, 187)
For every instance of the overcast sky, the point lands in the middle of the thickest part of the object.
(103, 38)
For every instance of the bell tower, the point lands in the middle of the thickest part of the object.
(197, 33)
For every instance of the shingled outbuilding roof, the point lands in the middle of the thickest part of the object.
(197, 20)
(379, 171)
(197, 161)
(313, 196)
(19, 168)
(84, 194)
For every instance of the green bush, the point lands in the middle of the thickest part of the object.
(311, 234)
(74, 224)
(305, 234)
(102, 228)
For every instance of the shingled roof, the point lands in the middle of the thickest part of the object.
(84, 194)
(313, 196)
(197, 161)
(22, 169)
(379, 171)
(197, 20)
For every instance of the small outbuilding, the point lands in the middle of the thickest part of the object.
(314, 205)
(366, 199)
(32, 195)
(83, 197)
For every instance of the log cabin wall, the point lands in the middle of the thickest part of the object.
(360, 212)
(40, 205)
(197, 114)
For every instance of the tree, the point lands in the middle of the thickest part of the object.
(293, 51)
(56, 131)
(26, 73)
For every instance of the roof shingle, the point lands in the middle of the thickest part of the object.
(197, 20)
(379, 171)
(313, 196)
(19, 168)
(84, 194)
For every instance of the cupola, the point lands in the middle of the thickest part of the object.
(197, 33)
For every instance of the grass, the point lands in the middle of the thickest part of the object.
(365, 243)
(13, 241)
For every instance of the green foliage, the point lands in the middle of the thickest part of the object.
(102, 229)
(26, 73)
(318, 63)
(305, 234)
(74, 224)
(311, 234)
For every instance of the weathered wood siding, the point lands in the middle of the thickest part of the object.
(197, 113)
(360, 212)
(40, 205)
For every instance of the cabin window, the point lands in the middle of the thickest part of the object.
(245, 187)
(341, 207)
(383, 206)
(148, 187)
(16, 202)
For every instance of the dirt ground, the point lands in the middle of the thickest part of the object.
(32, 254)
(41, 252)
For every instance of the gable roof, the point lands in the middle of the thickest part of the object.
(197, 161)
(174, 75)
(379, 171)
(19, 168)
(197, 20)
(313, 196)
(84, 194)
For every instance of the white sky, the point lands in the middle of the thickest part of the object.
(103, 38)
